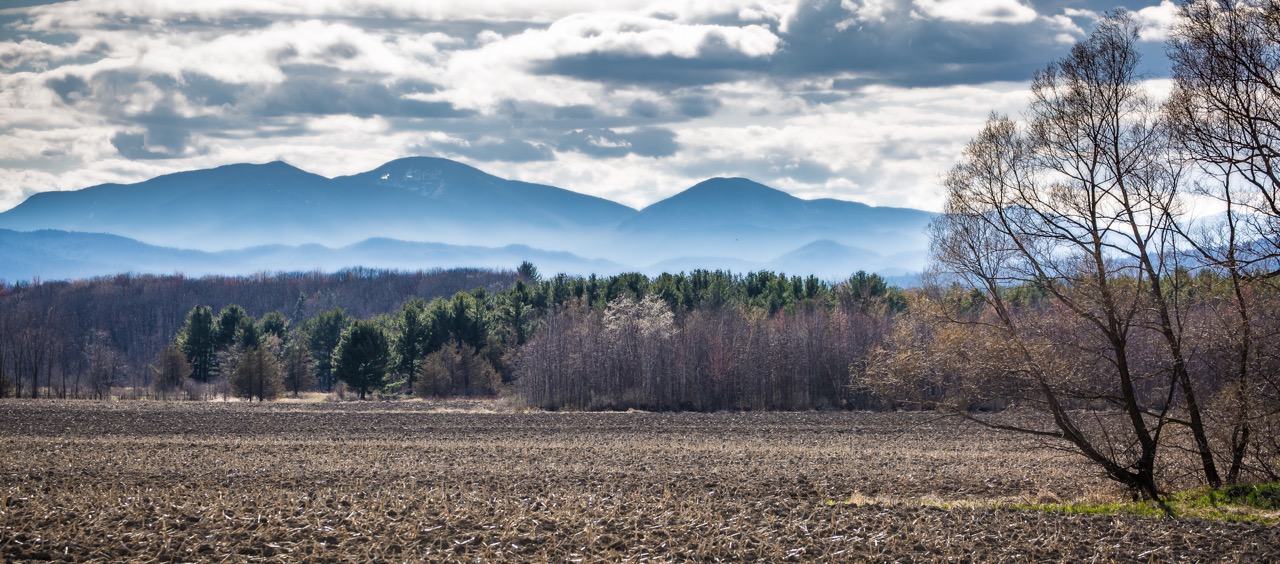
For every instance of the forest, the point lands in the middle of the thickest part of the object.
(81, 338)
(1109, 263)
(755, 341)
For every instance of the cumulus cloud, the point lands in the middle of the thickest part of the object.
(1156, 21)
(631, 49)
(978, 11)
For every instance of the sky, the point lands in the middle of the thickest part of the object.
(630, 100)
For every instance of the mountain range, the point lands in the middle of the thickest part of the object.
(423, 212)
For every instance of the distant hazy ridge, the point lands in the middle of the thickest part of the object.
(421, 212)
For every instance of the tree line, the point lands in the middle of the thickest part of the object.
(698, 341)
(788, 350)
(438, 333)
(80, 338)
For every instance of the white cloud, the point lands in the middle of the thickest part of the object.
(499, 69)
(977, 11)
(637, 35)
(868, 10)
(1079, 13)
(87, 14)
(1068, 26)
(94, 13)
(256, 56)
(1156, 21)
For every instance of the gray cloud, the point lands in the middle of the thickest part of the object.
(644, 109)
(536, 118)
(908, 50)
(208, 91)
(649, 142)
(343, 50)
(167, 135)
(508, 150)
(134, 146)
(69, 87)
(320, 91)
(666, 71)
(575, 112)
(697, 106)
(773, 169)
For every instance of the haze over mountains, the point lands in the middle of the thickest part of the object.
(423, 212)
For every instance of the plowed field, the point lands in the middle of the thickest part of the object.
(407, 481)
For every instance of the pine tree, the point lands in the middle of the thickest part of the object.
(199, 343)
(362, 357)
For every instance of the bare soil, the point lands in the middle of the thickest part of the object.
(421, 481)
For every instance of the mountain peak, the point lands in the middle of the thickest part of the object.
(429, 176)
(732, 187)
(720, 200)
(407, 166)
(273, 166)
(727, 182)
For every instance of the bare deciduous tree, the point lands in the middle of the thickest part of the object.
(258, 374)
(170, 370)
(1081, 205)
(104, 363)
(297, 364)
(1225, 113)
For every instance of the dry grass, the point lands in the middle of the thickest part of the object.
(421, 480)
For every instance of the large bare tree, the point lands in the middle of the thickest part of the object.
(1080, 204)
(1225, 114)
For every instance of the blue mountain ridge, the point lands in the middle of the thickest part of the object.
(417, 201)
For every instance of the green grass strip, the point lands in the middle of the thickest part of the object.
(1243, 503)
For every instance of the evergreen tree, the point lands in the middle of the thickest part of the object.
(274, 323)
(440, 321)
(230, 320)
(469, 321)
(411, 339)
(527, 272)
(198, 342)
(362, 357)
(323, 332)
(247, 333)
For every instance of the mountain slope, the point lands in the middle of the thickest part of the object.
(191, 207)
(728, 202)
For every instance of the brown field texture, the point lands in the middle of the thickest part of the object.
(157, 481)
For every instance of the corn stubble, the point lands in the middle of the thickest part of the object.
(323, 482)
